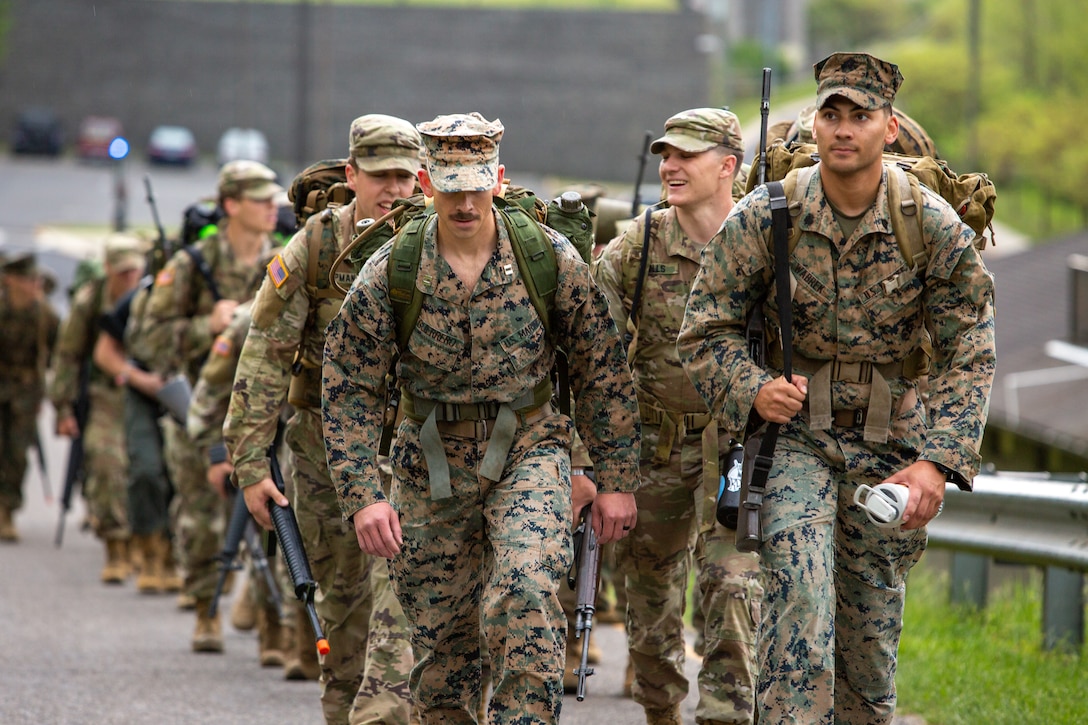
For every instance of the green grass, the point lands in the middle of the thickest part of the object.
(617, 5)
(958, 666)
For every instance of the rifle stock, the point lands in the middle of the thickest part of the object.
(588, 560)
(239, 517)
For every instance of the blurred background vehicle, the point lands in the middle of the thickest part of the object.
(171, 145)
(95, 135)
(242, 144)
(37, 131)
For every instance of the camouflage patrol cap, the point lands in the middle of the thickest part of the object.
(701, 129)
(248, 179)
(125, 252)
(462, 151)
(384, 143)
(21, 265)
(864, 79)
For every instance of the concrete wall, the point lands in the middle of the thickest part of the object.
(575, 90)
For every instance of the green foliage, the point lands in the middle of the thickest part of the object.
(958, 666)
(853, 24)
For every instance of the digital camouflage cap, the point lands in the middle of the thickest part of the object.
(384, 143)
(462, 151)
(864, 79)
(249, 180)
(701, 129)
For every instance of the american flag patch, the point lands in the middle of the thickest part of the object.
(164, 277)
(222, 346)
(277, 270)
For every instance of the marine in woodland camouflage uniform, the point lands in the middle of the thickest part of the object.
(701, 152)
(181, 319)
(28, 332)
(365, 674)
(105, 462)
(834, 582)
(491, 551)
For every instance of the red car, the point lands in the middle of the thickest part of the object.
(95, 135)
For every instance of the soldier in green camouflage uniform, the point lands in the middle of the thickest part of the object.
(365, 675)
(852, 414)
(181, 319)
(490, 551)
(28, 332)
(105, 462)
(701, 152)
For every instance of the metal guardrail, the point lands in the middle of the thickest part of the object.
(1035, 519)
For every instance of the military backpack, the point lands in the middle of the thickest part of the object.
(317, 186)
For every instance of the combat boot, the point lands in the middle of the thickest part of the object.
(8, 532)
(269, 638)
(664, 716)
(208, 635)
(172, 579)
(301, 655)
(116, 567)
(243, 613)
(151, 547)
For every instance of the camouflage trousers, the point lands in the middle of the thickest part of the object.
(106, 463)
(149, 486)
(835, 583)
(18, 427)
(488, 559)
(676, 512)
(364, 678)
(201, 513)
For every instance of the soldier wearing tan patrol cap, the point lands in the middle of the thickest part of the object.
(700, 155)
(481, 465)
(366, 673)
(852, 412)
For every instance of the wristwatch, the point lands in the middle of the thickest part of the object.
(951, 476)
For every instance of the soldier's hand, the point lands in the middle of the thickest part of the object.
(926, 483)
(218, 477)
(614, 515)
(221, 315)
(377, 527)
(68, 426)
(257, 497)
(779, 400)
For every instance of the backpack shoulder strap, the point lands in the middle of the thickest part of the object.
(905, 205)
(535, 255)
(794, 186)
(204, 268)
(402, 269)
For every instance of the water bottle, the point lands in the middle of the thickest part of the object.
(730, 467)
(884, 504)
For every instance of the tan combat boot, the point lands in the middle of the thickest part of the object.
(269, 638)
(664, 716)
(8, 532)
(151, 547)
(243, 613)
(208, 635)
(116, 567)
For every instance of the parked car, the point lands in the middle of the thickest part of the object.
(171, 145)
(37, 131)
(242, 144)
(96, 133)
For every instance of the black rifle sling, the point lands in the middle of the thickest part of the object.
(780, 222)
(636, 301)
(205, 271)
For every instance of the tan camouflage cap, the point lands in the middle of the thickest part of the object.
(248, 179)
(125, 252)
(701, 129)
(384, 143)
(866, 80)
(462, 151)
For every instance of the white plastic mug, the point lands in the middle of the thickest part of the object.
(884, 504)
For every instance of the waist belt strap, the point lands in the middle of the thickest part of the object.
(498, 446)
(879, 413)
(672, 424)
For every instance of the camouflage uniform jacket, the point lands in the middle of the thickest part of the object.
(855, 301)
(208, 405)
(176, 319)
(492, 349)
(28, 336)
(284, 316)
(672, 265)
(75, 345)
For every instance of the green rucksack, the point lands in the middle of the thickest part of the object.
(317, 186)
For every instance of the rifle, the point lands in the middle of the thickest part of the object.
(294, 554)
(756, 329)
(242, 526)
(164, 249)
(74, 472)
(587, 557)
(636, 202)
(47, 490)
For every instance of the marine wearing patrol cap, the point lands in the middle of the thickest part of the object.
(462, 152)
(21, 265)
(384, 143)
(248, 180)
(125, 252)
(701, 129)
(864, 79)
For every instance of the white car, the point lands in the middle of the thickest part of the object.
(242, 144)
